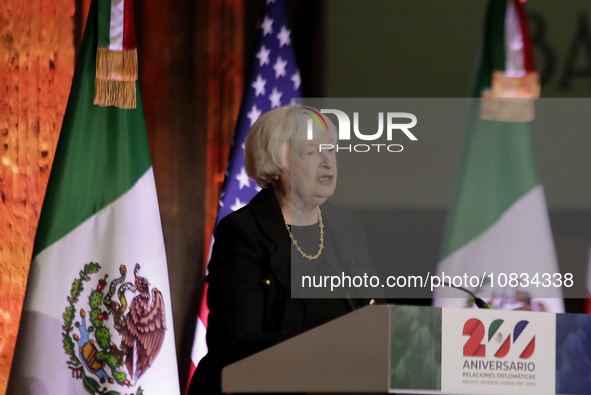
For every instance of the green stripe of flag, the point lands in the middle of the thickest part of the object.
(494, 41)
(495, 34)
(104, 24)
(496, 168)
(82, 182)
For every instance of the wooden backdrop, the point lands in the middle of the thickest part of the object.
(36, 69)
(191, 55)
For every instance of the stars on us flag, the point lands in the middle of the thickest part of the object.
(267, 26)
(243, 179)
(275, 98)
(263, 56)
(254, 114)
(283, 36)
(259, 85)
(296, 80)
(279, 67)
(274, 82)
(237, 204)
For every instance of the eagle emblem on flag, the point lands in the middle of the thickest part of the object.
(114, 342)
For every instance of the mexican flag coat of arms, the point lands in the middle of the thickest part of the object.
(97, 317)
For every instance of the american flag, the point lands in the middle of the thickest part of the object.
(274, 81)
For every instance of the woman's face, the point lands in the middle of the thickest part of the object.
(313, 176)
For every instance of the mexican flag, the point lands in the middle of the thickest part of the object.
(97, 316)
(498, 222)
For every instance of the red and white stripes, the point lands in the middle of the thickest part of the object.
(121, 26)
(510, 63)
(116, 63)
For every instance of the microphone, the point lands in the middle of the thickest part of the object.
(479, 302)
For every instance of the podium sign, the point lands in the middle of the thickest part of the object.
(480, 351)
(411, 349)
(504, 352)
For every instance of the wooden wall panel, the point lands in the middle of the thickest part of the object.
(226, 52)
(190, 57)
(36, 69)
(175, 123)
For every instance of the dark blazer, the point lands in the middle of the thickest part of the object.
(250, 283)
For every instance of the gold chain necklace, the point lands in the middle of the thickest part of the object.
(295, 243)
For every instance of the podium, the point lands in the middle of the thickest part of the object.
(412, 349)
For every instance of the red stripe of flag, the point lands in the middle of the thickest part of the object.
(128, 26)
(203, 317)
(528, 56)
(204, 309)
(588, 303)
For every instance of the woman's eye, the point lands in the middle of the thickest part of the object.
(311, 152)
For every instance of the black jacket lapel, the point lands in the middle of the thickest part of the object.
(267, 213)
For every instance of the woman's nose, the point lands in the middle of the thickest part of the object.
(327, 161)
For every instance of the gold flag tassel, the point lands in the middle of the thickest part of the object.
(511, 99)
(116, 74)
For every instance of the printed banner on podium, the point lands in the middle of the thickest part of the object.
(481, 351)
(498, 352)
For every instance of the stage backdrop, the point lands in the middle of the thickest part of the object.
(191, 63)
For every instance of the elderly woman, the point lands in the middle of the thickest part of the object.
(288, 223)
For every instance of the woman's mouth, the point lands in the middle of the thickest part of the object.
(326, 180)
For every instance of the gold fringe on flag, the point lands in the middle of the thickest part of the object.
(114, 93)
(526, 87)
(511, 99)
(116, 73)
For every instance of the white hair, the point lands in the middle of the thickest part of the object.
(273, 134)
